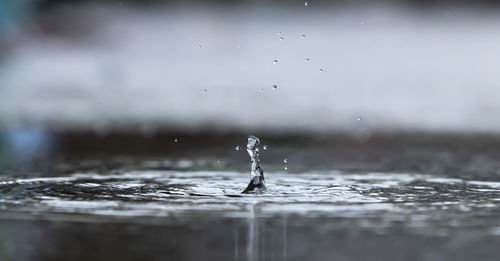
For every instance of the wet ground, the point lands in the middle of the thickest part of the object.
(378, 197)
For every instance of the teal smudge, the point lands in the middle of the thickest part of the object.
(11, 12)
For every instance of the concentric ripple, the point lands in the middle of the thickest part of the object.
(184, 194)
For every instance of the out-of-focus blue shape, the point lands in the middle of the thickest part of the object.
(11, 11)
(28, 143)
(19, 148)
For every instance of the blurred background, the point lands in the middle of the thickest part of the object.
(122, 77)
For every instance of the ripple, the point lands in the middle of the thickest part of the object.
(184, 194)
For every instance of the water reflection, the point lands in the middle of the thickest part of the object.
(301, 213)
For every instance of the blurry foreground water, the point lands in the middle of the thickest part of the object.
(329, 207)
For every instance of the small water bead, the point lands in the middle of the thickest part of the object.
(205, 91)
(285, 160)
(320, 69)
(307, 59)
(237, 148)
(303, 36)
(279, 33)
(359, 118)
(176, 140)
(265, 147)
(281, 38)
(306, 3)
(261, 90)
(275, 87)
(286, 167)
(275, 61)
(200, 45)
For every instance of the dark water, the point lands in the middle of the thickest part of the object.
(383, 202)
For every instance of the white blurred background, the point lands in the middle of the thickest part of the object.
(194, 66)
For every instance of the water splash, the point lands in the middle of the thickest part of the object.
(256, 174)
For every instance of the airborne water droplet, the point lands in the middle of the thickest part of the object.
(359, 118)
(261, 90)
(307, 59)
(285, 160)
(306, 3)
(265, 147)
(303, 36)
(275, 61)
(320, 69)
(176, 140)
(237, 148)
(286, 167)
(281, 38)
(274, 88)
(205, 91)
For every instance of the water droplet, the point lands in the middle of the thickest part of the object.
(275, 61)
(205, 91)
(218, 162)
(279, 33)
(261, 90)
(306, 3)
(363, 22)
(275, 87)
(307, 59)
(265, 147)
(176, 140)
(237, 148)
(285, 160)
(320, 69)
(303, 36)
(359, 118)
(281, 38)
(256, 174)
(286, 167)
(200, 45)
